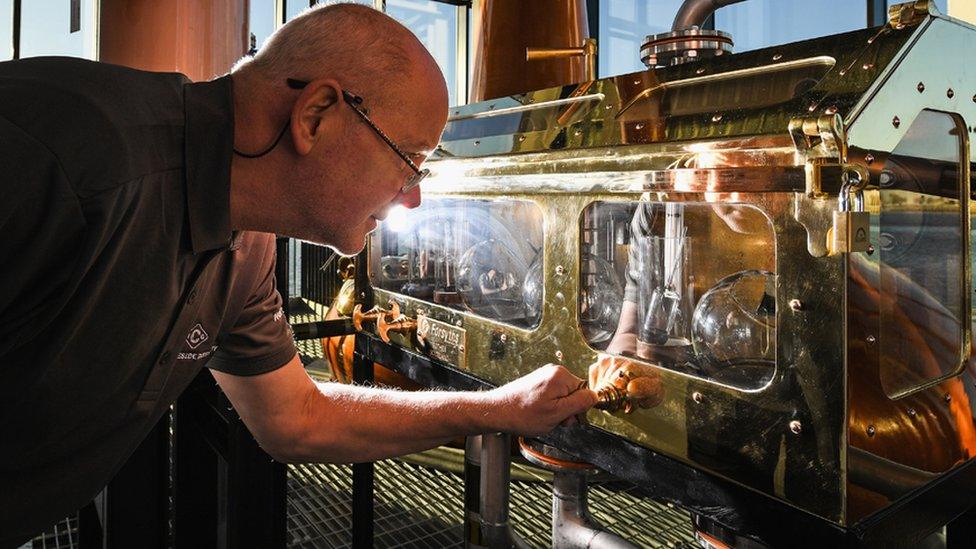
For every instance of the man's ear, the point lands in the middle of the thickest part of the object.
(312, 111)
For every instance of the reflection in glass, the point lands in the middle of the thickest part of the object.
(762, 23)
(599, 300)
(469, 255)
(435, 24)
(700, 289)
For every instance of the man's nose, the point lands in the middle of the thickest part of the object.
(410, 199)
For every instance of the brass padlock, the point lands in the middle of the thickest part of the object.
(851, 230)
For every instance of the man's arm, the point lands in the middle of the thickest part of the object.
(296, 420)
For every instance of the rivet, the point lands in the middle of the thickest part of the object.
(867, 66)
(974, 99)
(843, 72)
(559, 355)
(503, 338)
(697, 397)
(700, 71)
(871, 430)
(636, 82)
(608, 107)
(912, 412)
(870, 249)
(812, 107)
(869, 158)
(560, 270)
(639, 126)
(476, 143)
(777, 57)
(491, 107)
(950, 93)
(796, 305)
(578, 132)
(948, 398)
(896, 121)
(831, 110)
(871, 339)
(717, 118)
(458, 322)
(796, 427)
(521, 138)
(461, 348)
(899, 26)
(531, 100)
(920, 87)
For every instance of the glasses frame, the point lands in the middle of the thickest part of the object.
(355, 101)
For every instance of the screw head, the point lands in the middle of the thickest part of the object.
(871, 339)
(697, 397)
(700, 71)
(639, 126)
(920, 87)
(948, 398)
(950, 94)
(831, 110)
(869, 158)
(578, 132)
(896, 121)
(560, 270)
(777, 57)
(521, 138)
(912, 412)
(796, 304)
(871, 430)
(867, 66)
(796, 427)
(559, 356)
(503, 338)
(717, 118)
(870, 249)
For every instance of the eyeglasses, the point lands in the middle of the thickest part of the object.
(356, 102)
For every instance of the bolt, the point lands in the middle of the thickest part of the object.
(700, 71)
(717, 118)
(871, 339)
(812, 107)
(886, 179)
(458, 323)
(843, 72)
(912, 412)
(476, 143)
(796, 305)
(831, 110)
(491, 107)
(636, 82)
(503, 338)
(777, 57)
(697, 397)
(608, 107)
(948, 398)
(796, 427)
(560, 270)
(870, 249)
(521, 138)
(974, 98)
(867, 66)
(559, 356)
(950, 93)
(920, 87)
(869, 158)
(896, 121)
(639, 126)
(578, 132)
(871, 430)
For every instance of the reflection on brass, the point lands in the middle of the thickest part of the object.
(398, 323)
(359, 317)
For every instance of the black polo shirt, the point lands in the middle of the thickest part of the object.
(120, 277)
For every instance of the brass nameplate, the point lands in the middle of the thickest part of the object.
(442, 341)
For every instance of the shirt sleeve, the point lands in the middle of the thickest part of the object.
(260, 340)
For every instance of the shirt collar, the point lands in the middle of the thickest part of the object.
(208, 149)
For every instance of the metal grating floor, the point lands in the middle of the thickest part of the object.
(419, 507)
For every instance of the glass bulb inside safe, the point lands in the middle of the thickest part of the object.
(600, 300)
(734, 329)
(489, 279)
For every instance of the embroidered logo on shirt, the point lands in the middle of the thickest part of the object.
(196, 336)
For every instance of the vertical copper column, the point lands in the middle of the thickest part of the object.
(503, 29)
(198, 39)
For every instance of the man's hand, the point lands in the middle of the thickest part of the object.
(536, 403)
(641, 384)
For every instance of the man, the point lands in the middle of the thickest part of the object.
(135, 252)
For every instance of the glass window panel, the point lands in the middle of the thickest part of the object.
(295, 7)
(477, 256)
(435, 24)
(688, 286)
(761, 23)
(919, 273)
(261, 19)
(6, 29)
(46, 29)
(623, 26)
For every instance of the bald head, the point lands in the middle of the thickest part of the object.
(370, 53)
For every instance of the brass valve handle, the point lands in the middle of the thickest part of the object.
(375, 314)
(399, 324)
(613, 399)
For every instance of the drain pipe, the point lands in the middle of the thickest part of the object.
(496, 463)
(693, 13)
(572, 525)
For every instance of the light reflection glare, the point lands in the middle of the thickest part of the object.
(397, 220)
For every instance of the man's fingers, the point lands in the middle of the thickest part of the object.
(580, 401)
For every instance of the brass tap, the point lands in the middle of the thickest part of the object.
(613, 399)
(400, 324)
(372, 315)
(587, 51)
